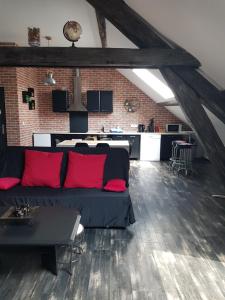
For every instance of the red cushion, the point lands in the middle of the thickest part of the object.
(42, 168)
(85, 170)
(115, 185)
(7, 183)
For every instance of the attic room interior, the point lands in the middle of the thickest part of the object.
(112, 161)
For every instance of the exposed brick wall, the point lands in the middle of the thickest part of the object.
(28, 119)
(21, 122)
(8, 80)
(49, 120)
(123, 89)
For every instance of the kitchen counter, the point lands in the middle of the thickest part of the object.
(116, 133)
(151, 146)
(112, 144)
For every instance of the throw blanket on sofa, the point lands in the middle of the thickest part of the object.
(98, 208)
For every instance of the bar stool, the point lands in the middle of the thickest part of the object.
(103, 146)
(181, 159)
(80, 145)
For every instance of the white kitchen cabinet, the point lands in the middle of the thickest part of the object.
(150, 146)
(42, 139)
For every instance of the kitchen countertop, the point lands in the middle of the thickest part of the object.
(116, 144)
(119, 133)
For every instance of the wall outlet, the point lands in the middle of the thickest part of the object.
(134, 125)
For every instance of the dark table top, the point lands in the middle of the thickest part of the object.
(51, 226)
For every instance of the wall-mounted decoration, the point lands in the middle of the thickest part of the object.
(72, 31)
(25, 96)
(132, 105)
(34, 36)
(31, 104)
(30, 92)
(28, 97)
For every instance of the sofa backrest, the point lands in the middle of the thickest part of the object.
(116, 166)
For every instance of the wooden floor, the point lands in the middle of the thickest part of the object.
(175, 250)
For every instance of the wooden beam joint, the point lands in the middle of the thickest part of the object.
(101, 28)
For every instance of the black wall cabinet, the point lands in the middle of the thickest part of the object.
(93, 101)
(100, 101)
(60, 100)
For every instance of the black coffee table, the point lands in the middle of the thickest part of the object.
(51, 227)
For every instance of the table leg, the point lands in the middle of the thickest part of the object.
(49, 259)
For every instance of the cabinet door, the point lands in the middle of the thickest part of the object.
(106, 101)
(134, 141)
(60, 100)
(93, 101)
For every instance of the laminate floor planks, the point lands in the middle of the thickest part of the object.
(175, 250)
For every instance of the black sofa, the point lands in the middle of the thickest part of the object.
(98, 208)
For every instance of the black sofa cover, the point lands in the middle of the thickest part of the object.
(98, 208)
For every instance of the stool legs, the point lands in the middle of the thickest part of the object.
(181, 159)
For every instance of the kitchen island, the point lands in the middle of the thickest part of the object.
(112, 144)
(151, 146)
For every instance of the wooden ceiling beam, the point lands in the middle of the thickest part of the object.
(94, 57)
(101, 28)
(191, 105)
(210, 96)
(139, 31)
(142, 34)
(168, 103)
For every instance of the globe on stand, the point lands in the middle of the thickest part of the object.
(72, 31)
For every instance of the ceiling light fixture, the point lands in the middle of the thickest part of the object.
(49, 80)
(155, 83)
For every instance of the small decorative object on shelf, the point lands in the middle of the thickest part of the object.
(48, 39)
(72, 31)
(34, 36)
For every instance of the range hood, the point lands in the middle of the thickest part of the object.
(75, 103)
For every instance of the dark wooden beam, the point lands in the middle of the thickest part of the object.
(169, 103)
(211, 97)
(94, 57)
(191, 105)
(142, 34)
(222, 93)
(101, 28)
(135, 27)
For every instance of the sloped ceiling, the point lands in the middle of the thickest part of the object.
(196, 25)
